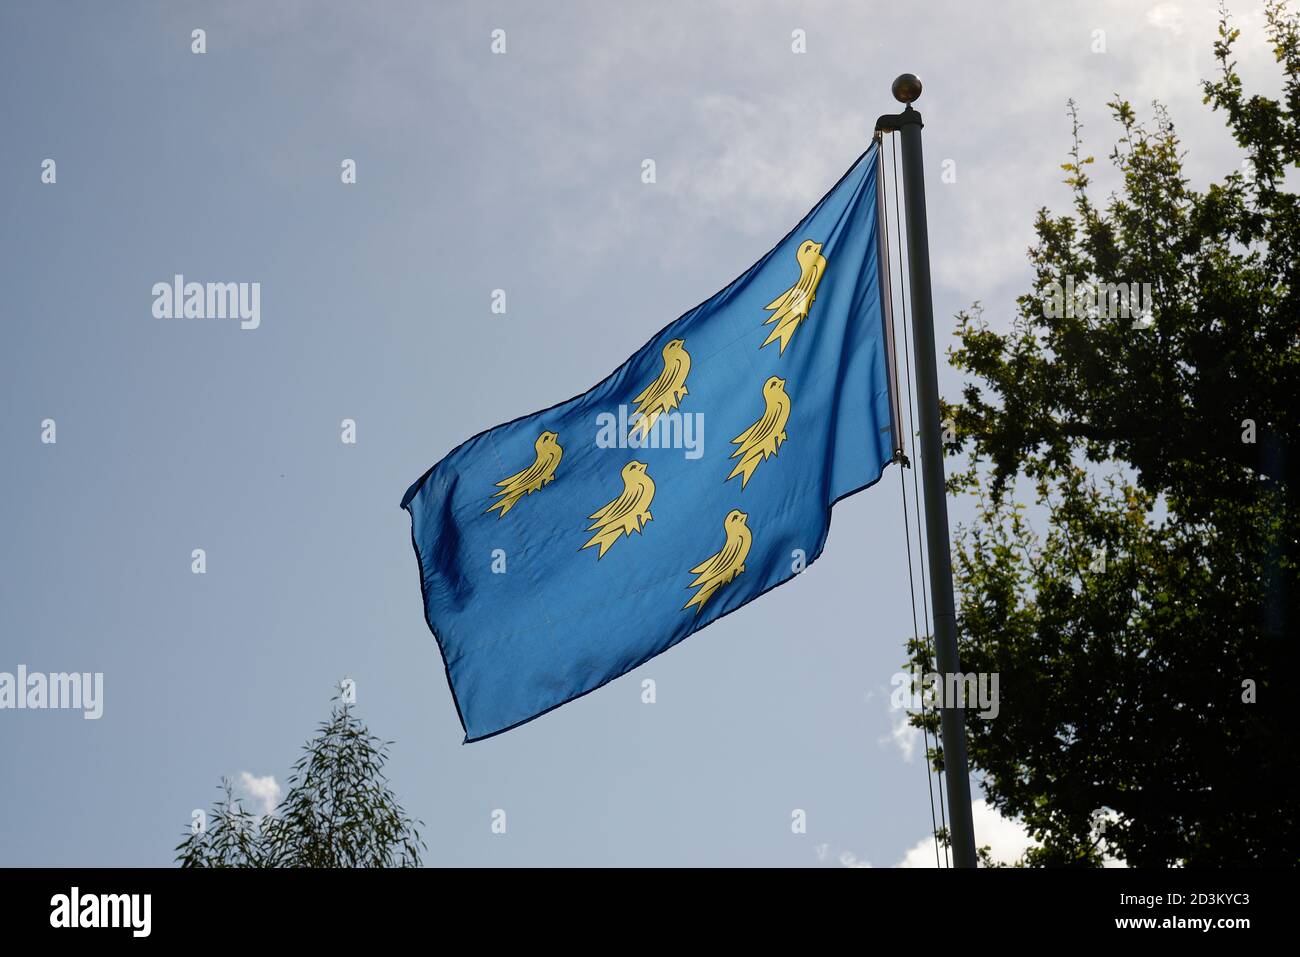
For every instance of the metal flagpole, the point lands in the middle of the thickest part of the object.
(907, 125)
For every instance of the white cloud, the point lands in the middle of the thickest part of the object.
(263, 793)
(845, 858)
(902, 735)
(740, 170)
(1166, 16)
(1006, 838)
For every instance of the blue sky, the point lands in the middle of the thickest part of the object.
(474, 172)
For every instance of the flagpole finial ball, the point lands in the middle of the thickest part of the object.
(907, 88)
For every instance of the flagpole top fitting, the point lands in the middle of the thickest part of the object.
(907, 88)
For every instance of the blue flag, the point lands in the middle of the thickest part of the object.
(563, 549)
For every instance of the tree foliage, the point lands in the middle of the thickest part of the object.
(1130, 633)
(337, 812)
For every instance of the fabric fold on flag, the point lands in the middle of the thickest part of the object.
(565, 548)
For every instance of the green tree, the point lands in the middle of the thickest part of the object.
(1134, 632)
(338, 811)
